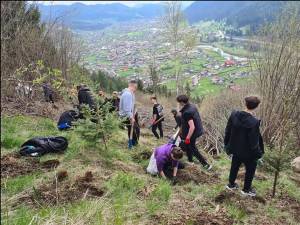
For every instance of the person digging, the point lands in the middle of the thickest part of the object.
(191, 129)
(165, 162)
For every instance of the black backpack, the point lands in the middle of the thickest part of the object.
(41, 145)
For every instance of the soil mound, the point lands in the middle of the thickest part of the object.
(57, 193)
(195, 174)
(199, 218)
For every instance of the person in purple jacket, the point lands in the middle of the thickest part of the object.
(167, 160)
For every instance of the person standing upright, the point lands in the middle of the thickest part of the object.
(191, 129)
(157, 118)
(126, 106)
(177, 118)
(244, 142)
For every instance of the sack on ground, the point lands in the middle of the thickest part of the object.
(41, 145)
(152, 167)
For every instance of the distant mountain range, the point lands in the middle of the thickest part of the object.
(92, 17)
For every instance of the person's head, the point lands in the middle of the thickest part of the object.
(252, 102)
(153, 99)
(182, 100)
(101, 93)
(78, 87)
(174, 112)
(115, 94)
(132, 85)
(176, 153)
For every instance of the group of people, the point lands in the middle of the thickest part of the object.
(243, 141)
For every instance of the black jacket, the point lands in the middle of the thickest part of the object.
(242, 136)
(68, 117)
(85, 97)
(190, 112)
(177, 120)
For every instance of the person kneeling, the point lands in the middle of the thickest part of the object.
(165, 161)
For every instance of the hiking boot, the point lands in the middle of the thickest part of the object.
(207, 167)
(232, 187)
(250, 192)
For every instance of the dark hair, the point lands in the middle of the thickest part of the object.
(132, 82)
(182, 98)
(174, 111)
(252, 102)
(177, 153)
(153, 97)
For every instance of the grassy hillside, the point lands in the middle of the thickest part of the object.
(93, 186)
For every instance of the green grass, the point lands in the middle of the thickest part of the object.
(135, 34)
(15, 185)
(122, 202)
(205, 87)
(237, 51)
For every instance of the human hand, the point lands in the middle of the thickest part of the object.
(187, 141)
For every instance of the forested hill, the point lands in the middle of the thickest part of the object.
(238, 13)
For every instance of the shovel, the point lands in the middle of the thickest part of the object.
(156, 122)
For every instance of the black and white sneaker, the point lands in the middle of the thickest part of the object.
(208, 167)
(250, 192)
(232, 187)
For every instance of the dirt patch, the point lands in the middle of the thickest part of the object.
(258, 176)
(199, 218)
(34, 107)
(139, 156)
(195, 174)
(13, 165)
(127, 167)
(249, 205)
(231, 196)
(56, 193)
(290, 205)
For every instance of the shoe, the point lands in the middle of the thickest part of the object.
(208, 167)
(250, 192)
(232, 187)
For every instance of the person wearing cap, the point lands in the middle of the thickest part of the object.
(177, 118)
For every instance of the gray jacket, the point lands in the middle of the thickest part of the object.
(127, 102)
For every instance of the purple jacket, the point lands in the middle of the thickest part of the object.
(163, 155)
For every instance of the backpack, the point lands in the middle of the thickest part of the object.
(41, 145)
(160, 109)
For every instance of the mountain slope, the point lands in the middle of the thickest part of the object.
(238, 13)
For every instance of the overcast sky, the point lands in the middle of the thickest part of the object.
(128, 3)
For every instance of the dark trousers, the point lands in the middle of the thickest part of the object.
(135, 134)
(250, 171)
(191, 150)
(159, 126)
(168, 169)
(49, 98)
